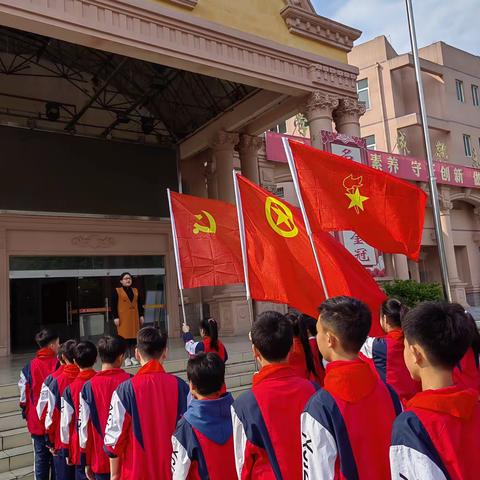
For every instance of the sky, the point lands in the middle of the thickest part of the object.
(452, 21)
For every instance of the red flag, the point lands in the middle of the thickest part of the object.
(208, 241)
(281, 265)
(339, 194)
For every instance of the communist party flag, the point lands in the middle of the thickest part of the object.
(208, 241)
(281, 265)
(339, 194)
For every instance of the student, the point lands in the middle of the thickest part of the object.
(84, 356)
(203, 441)
(437, 437)
(55, 389)
(386, 352)
(346, 426)
(95, 399)
(32, 377)
(143, 414)
(266, 426)
(210, 341)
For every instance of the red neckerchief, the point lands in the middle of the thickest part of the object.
(86, 374)
(45, 352)
(454, 401)
(111, 371)
(71, 370)
(396, 334)
(350, 381)
(153, 366)
(274, 370)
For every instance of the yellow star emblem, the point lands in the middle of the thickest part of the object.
(356, 200)
(284, 224)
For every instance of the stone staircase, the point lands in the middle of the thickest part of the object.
(16, 452)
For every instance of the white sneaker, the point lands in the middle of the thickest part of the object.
(135, 362)
(128, 362)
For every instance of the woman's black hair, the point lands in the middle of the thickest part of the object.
(210, 328)
(301, 329)
(394, 310)
(124, 274)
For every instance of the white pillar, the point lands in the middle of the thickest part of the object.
(401, 266)
(319, 110)
(248, 150)
(347, 116)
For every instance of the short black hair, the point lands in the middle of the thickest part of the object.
(394, 311)
(85, 354)
(206, 371)
(151, 343)
(442, 329)
(349, 319)
(111, 347)
(46, 336)
(66, 350)
(272, 335)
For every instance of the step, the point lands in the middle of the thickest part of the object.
(9, 390)
(14, 458)
(11, 420)
(16, 437)
(25, 473)
(10, 404)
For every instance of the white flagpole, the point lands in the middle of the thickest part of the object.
(293, 171)
(431, 173)
(177, 256)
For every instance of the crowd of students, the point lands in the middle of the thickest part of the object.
(328, 402)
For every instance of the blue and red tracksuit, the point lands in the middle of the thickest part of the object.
(203, 442)
(346, 426)
(143, 415)
(95, 399)
(467, 373)
(193, 348)
(45, 393)
(266, 424)
(386, 354)
(69, 419)
(437, 437)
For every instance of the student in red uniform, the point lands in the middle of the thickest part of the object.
(203, 441)
(346, 426)
(85, 356)
(32, 377)
(143, 415)
(266, 419)
(437, 437)
(386, 353)
(210, 341)
(95, 399)
(55, 389)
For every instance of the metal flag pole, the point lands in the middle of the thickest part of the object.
(431, 173)
(177, 256)
(293, 171)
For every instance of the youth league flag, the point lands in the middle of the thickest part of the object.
(207, 242)
(280, 263)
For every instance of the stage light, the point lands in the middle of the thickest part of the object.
(147, 125)
(52, 111)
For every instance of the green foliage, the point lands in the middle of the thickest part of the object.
(411, 292)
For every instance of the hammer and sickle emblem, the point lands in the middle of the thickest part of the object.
(211, 228)
(283, 224)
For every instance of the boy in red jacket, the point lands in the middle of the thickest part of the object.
(32, 377)
(437, 437)
(85, 356)
(266, 419)
(95, 399)
(203, 441)
(346, 426)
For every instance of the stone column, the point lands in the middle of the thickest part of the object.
(347, 116)
(401, 266)
(319, 110)
(414, 270)
(4, 296)
(248, 150)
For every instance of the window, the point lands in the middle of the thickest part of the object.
(460, 92)
(370, 141)
(475, 96)
(280, 128)
(363, 93)
(467, 145)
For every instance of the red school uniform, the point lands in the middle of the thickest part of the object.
(437, 437)
(467, 373)
(346, 426)
(266, 426)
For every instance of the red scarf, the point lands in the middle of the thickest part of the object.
(45, 352)
(87, 374)
(153, 366)
(274, 370)
(71, 370)
(396, 334)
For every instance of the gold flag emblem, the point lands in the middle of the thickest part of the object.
(199, 228)
(283, 223)
(352, 186)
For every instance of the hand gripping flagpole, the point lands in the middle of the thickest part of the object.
(293, 171)
(177, 256)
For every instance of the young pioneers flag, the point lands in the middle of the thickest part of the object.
(280, 261)
(338, 194)
(206, 232)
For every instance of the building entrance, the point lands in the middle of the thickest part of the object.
(73, 295)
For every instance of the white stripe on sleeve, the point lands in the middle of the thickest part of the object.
(180, 461)
(42, 400)
(22, 385)
(83, 419)
(191, 346)
(239, 442)
(50, 408)
(367, 348)
(410, 464)
(116, 418)
(65, 419)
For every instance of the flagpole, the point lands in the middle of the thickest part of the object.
(177, 256)
(431, 173)
(293, 171)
